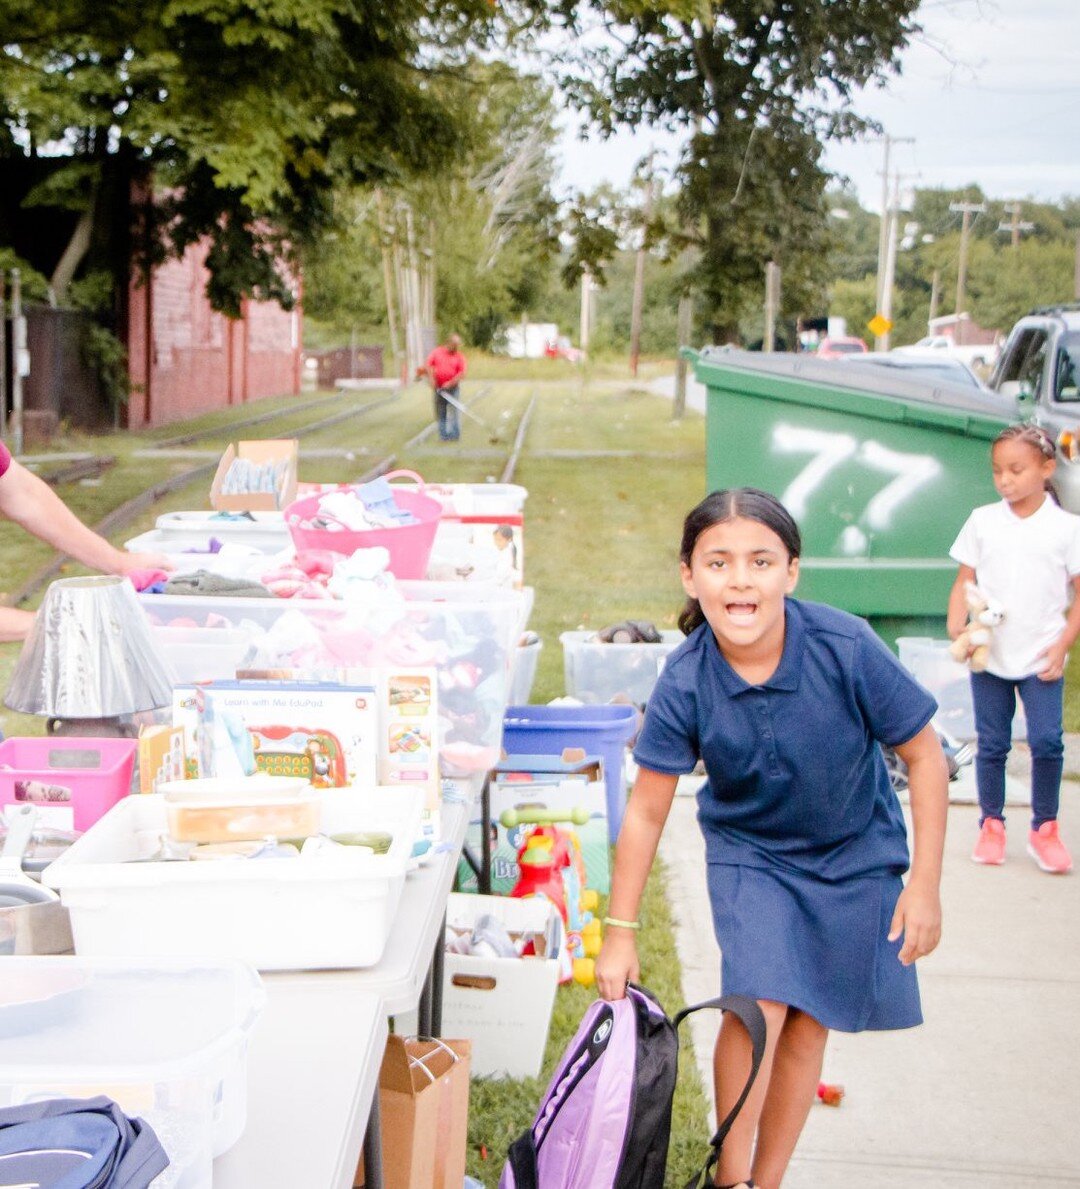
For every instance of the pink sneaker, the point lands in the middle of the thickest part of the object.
(990, 848)
(1047, 849)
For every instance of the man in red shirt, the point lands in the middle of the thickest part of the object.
(445, 366)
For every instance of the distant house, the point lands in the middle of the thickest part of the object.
(963, 331)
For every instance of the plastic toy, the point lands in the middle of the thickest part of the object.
(973, 643)
(551, 866)
(309, 752)
(830, 1093)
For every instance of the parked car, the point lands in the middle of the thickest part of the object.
(938, 346)
(840, 347)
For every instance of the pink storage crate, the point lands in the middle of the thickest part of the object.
(409, 545)
(96, 771)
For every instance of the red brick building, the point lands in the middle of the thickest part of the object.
(185, 359)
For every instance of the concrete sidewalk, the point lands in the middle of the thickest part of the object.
(987, 1092)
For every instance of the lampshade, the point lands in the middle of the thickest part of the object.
(90, 655)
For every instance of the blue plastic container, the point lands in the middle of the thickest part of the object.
(600, 730)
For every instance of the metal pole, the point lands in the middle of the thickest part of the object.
(890, 266)
(682, 334)
(18, 360)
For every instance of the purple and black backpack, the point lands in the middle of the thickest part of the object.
(605, 1120)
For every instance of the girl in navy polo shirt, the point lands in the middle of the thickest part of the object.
(785, 703)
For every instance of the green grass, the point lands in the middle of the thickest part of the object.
(499, 1111)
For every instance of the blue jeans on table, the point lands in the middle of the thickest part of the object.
(446, 414)
(995, 704)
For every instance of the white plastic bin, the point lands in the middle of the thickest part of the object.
(597, 672)
(929, 662)
(265, 531)
(167, 1041)
(235, 560)
(278, 914)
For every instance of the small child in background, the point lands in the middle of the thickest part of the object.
(1024, 553)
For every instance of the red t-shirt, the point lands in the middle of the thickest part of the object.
(5, 459)
(445, 366)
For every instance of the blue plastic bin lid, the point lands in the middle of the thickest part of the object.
(533, 764)
(619, 720)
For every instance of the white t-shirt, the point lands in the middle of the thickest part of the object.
(1025, 564)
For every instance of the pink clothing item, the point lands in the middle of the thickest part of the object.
(141, 579)
(5, 459)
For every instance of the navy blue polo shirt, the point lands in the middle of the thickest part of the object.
(796, 777)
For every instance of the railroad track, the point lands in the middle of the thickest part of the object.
(125, 513)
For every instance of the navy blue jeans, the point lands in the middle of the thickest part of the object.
(995, 705)
(446, 414)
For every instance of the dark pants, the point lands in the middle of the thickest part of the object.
(995, 705)
(446, 414)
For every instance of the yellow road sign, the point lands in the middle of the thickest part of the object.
(879, 325)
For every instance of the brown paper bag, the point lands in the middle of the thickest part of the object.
(424, 1110)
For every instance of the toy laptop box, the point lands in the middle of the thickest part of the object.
(532, 792)
(326, 734)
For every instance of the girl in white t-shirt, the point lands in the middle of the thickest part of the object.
(1024, 553)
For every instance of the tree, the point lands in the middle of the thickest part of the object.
(248, 115)
(759, 84)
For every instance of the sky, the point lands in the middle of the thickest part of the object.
(990, 93)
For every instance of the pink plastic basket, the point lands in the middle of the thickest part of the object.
(96, 771)
(409, 545)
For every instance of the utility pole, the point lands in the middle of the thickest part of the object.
(883, 230)
(1076, 270)
(967, 209)
(772, 304)
(885, 304)
(1015, 224)
(682, 335)
(935, 296)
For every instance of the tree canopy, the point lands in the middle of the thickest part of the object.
(760, 85)
(248, 113)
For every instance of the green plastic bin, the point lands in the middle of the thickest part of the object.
(880, 474)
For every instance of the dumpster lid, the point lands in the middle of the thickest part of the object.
(859, 382)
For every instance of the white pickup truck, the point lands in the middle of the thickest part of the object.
(939, 345)
(1039, 368)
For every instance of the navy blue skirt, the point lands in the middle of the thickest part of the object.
(817, 946)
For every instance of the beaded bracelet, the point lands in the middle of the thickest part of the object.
(622, 924)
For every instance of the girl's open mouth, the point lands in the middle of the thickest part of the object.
(741, 612)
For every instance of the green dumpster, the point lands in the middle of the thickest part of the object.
(880, 473)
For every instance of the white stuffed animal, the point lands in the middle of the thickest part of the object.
(973, 643)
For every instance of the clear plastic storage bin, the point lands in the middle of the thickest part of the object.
(468, 635)
(331, 911)
(929, 662)
(166, 1041)
(597, 672)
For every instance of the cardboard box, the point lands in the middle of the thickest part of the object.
(409, 731)
(324, 733)
(279, 450)
(424, 1113)
(161, 756)
(502, 1005)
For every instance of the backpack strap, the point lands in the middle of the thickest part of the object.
(521, 1159)
(753, 1021)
